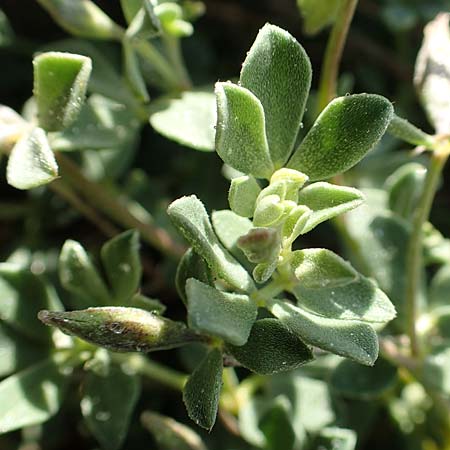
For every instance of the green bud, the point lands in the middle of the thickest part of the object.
(293, 179)
(268, 211)
(121, 329)
(82, 18)
(294, 224)
(260, 244)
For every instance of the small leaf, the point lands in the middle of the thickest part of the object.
(407, 132)
(32, 396)
(277, 427)
(12, 125)
(190, 217)
(358, 300)
(294, 224)
(171, 435)
(327, 201)
(354, 340)
(269, 211)
(188, 119)
(82, 18)
(319, 268)
(223, 314)
(31, 162)
(333, 438)
(243, 194)
(240, 132)
(271, 348)
(263, 271)
(121, 329)
(367, 383)
(79, 275)
(144, 24)
(60, 84)
(318, 14)
(191, 265)
(23, 294)
(107, 404)
(130, 8)
(278, 71)
(202, 391)
(344, 132)
(432, 74)
(405, 186)
(122, 263)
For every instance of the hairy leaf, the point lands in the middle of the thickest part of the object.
(278, 71)
(243, 194)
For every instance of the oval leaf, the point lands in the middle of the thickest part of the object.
(240, 132)
(278, 71)
(271, 348)
(31, 162)
(202, 391)
(342, 135)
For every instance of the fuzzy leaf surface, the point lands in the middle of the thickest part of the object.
(345, 131)
(278, 71)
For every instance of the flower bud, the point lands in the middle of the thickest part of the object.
(121, 329)
(260, 244)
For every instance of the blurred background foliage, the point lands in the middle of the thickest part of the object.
(379, 58)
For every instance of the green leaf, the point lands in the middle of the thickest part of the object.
(107, 404)
(367, 383)
(121, 329)
(277, 69)
(432, 74)
(271, 348)
(354, 340)
(333, 438)
(190, 217)
(191, 265)
(79, 275)
(122, 263)
(243, 194)
(31, 162)
(23, 294)
(327, 201)
(240, 132)
(17, 351)
(202, 391)
(439, 293)
(344, 132)
(171, 435)
(435, 372)
(294, 224)
(188, 119)
(407, 132)
(130, 8)
(318, 14)
(405, 186)
(276, 426)
(321, 268)
(229, 227)
(104, 79)
(263, 271)
(133, 72)
(32, 396)
(60, 84)
(358, 300)
(144, 24)
(223, 314)
(269, 211)
(82, 18)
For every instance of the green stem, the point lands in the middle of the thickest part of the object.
(104, 201)
(415, 247)
(333, 54)
(153, 370)
(168, 75)
(173, 49)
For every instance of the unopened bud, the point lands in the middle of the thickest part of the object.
(121, 329)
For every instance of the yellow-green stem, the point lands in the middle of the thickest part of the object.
(414, 256)
(333, 54)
